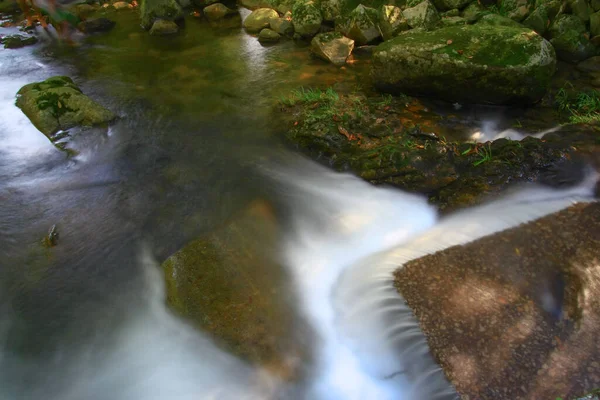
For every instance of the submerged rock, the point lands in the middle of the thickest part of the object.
(360, 25)
(475, 64)
(259, 19)
(332, 47)
(268, 36)
(18, 41)
(217, 11)
(58, 104)
(391, 22)
(306, 18)
(151, 10)
(96, 25)
(423, 15)
(161, 27)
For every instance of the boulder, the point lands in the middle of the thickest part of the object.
(282, 26)
(256, 4)
(595, 24)
(592, 64)
(497, 20)
(83, 10)
(423, 15)
(568, 36)
(217, 11)
(516, 9)
(581, 9)
(538, 20)
(162, 27)
(259, 19)
(96, 25)
(268, 36)
(18, 41)
(332, 47)
(121, 5)
(58, 104)
(331, 9)
(306, 18)
(454, 21)
(473, 64)
(391, 21)
(360, 25)
(150, 11)
(473, 12)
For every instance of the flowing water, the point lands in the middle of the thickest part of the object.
(87, 319)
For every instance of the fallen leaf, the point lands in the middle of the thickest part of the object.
(460, 52)
(380, 120)
(449, 41)
(296, 123)
(469, 57)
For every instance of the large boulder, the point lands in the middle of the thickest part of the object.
(391, 22)
(306, 18)
(332, 47)
(151, 10)
(58, 104)
(259, 19)
(538, 20)
(331, 9)
(424, 15)
(360, 25)
(517, 9)
(282, 26)
(218, 11)
(568, 36)
(473, 63)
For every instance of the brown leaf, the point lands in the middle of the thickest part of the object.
(343, 131)
(460, 52)
(449, 41)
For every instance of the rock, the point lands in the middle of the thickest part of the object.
(331, 9)
(96, 25)
(538, 20)
(332, 47)
(423, 15)
(259, 19)
(306, 18)
(580, 9)
(217, 11)
(595, 24)
(83, 10)
(516, 9)
(51, 239)
(454, 21)
(360, 25)
(498, 20)
(455, 12)
(162, 27)
(391, 22)
(512, 65)
(150, 11)
(595, 41)
(268, 36)
(256, 4)
(282, 26)
(58, 104)
(121, 5)
(473, 12)
(592, 64)
(444, 5)
(595, 4)
(568, 36)
(18, 41)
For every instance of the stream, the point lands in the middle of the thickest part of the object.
(194, 144)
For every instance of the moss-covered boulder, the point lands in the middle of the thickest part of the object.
(58, 104)
(306, 18)
(282, 26)
(162, 27)
(497, 20)
(17, 41)
(360, 25)
(444, 5)
(151, 10)
(259, 19)
(473, 12)
(474, 63)
(391, 21)
(538, 20)
(268, 36)
(332, 47)
(569, 38)
(595, 24)
(217, 11)
(424, 15)
(516, 9)
(581, 9)
(331, 9)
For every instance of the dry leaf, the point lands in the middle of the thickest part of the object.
(449, 41)
(460, 52)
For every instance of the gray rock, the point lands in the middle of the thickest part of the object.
(268, 36)
(423, 15)
(538, 20)
(218, 11)
(162, 27)
(391, 21)
(360, 25)
(306, 18)
(568, 36)
(331, 9)
(332, 47)
(282, 26)
(259, 19)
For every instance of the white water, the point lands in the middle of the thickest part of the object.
(345, 240)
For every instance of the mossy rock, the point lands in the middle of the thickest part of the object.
(445, 5)
(568, 36)
(151, 10)
(538, 20)
(360, 25)
(474, 64)
(18, 41)
(307, 18)
(391, 21)
(517, 10)
(268, 36)
(58, 104)
(498, 20)
(259, 19)
(8, 6)
(332, 47)
(423, 16)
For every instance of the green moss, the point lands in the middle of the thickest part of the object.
(159, 9)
